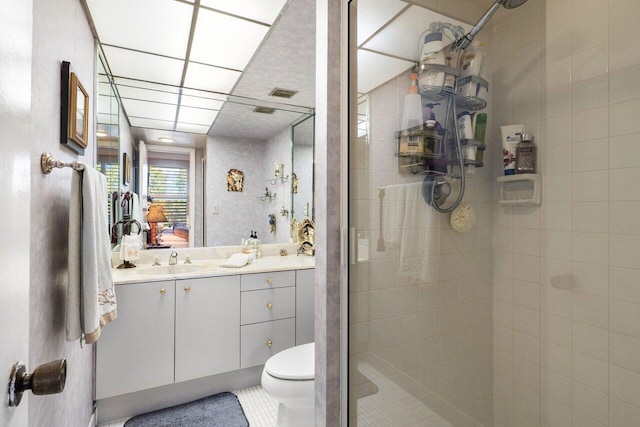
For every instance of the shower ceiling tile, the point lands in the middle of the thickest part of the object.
(147, 95)
(212, 29)
(264, 10)
(150, 123)
(144, 66)
(150, 35)
(149, 110)
(373, 14)
(375, 69)
(402, 36)
(191, 128)
(210, 78)
(198, 116)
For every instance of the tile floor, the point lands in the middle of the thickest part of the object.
(258, 406)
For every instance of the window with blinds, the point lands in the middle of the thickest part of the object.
(169, 187)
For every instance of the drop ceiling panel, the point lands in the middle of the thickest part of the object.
(104, 103)
(263, 10)
(156, 26)
(210, 78)
(375, 69)
(200, 102)
(204, 94)
(197, 116)
(148, 95)
(104, 88)
(150, 123)
(373, 14)
(144, 66)
(119, 81)
(191, 128)
(224, 40)
(149, 110)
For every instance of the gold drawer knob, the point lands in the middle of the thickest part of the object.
(163, 291)
(269, 343)
(187, 288)
(269, 280)
(269, 306)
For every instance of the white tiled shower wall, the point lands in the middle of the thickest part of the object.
(566, 275)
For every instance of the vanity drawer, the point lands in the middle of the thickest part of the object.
(260, 341)
(275, 279)
(267, 304)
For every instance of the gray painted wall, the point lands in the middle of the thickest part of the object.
(241, 212)
(60, 32)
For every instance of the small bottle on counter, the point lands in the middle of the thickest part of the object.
(526, 155)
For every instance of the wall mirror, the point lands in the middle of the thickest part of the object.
(107, 136)
(194, 110)
(303, 167)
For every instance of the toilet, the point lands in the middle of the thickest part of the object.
(288, 377)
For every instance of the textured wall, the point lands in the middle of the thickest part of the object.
(567, 273)
(60, 32)
(328, 192)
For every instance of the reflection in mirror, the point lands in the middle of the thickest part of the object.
(255, 138)
(107, 136)
(302, 142)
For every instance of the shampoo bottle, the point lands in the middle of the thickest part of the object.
(432, 53)
(526, 155)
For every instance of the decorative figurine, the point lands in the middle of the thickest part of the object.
(294, 183)
(272, 223)
(235, 179)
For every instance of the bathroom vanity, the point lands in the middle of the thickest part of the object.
(192, 321)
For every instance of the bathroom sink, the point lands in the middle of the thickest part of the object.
(173, 269)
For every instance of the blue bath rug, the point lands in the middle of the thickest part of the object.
(220, 410)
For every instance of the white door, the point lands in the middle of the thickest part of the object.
(15, 168)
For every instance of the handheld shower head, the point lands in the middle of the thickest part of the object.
(463, 42)
(512, 4)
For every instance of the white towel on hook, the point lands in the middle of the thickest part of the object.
(91, 298)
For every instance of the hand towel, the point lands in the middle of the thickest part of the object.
(130, 247)
(237, 261)
(91, 298)
(136, 214)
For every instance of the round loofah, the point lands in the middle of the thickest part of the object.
(463, 217)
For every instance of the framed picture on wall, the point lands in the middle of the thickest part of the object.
(74, 110)
(126, 169)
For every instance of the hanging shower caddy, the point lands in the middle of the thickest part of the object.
(441, 153)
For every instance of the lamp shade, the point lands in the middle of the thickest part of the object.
(155, 213)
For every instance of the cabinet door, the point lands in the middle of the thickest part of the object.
(135, 351)
(305, 307)
(207, 326)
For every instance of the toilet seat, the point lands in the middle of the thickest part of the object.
(295, 363)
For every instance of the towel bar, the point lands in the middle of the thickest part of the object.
(47, 163)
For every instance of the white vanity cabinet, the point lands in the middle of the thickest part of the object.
(207, 326)
(135, 351)
(174, 331)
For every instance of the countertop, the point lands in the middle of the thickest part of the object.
(146, 272)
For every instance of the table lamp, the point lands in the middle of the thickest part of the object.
(155, 214)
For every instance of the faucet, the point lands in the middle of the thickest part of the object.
(173, 258)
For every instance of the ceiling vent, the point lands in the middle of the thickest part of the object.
(283, 93)
(264, 110)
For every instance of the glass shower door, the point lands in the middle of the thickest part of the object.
(419, 293)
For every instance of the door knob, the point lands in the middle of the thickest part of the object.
(45, 379)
